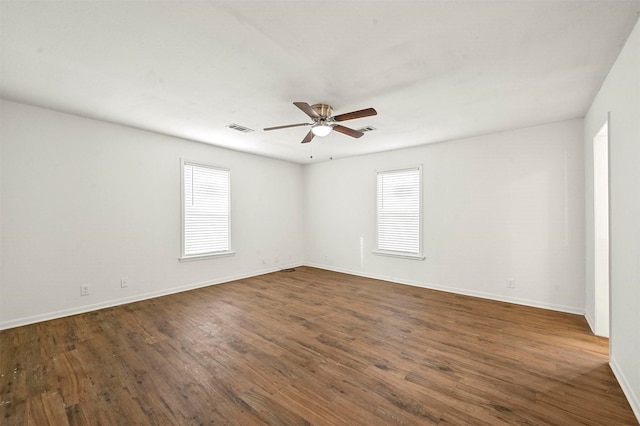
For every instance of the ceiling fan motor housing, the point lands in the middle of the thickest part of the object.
(323, 110)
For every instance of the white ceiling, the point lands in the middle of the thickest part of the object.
(434, 70)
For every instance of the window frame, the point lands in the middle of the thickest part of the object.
(208, 255)
(392, 253)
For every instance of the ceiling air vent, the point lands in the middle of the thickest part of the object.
(367, 129)
(240, 128)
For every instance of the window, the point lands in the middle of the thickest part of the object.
(205, 211)
(398, 213)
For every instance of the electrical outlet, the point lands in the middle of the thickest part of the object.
(276, 260)
(511, 283)
(124, 282)
(84, 290)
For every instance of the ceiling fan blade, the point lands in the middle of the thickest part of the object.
(356, 114)
(306, 108)
(347, 131)
(308, 138)
(287, 126)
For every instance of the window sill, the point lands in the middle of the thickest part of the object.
(206, 256)
(400, 255)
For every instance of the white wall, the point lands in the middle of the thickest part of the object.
(496, 207)
(619, 96)
(87, 202)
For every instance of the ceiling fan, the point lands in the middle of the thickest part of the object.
(323, 122)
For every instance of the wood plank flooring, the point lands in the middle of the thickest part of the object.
(310, 347)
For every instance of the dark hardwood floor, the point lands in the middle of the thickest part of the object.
(310, 347)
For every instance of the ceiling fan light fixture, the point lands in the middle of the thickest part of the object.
(321, 128)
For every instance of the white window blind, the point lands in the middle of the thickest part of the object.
(206, 210)
(398, 212)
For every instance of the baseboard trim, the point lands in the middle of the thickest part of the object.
(634, 400)
(590, 321)
(145, 296)
(456, 290)
(137, 298)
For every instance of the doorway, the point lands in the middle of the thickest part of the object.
(601, 229)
